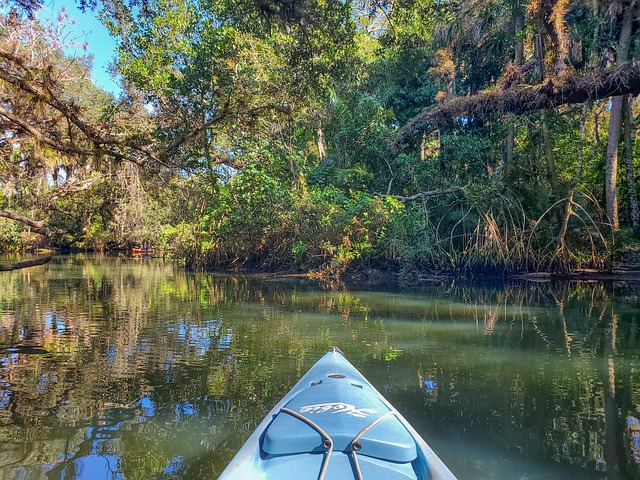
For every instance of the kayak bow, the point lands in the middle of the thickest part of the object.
(335, 425)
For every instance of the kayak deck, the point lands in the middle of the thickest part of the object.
(334, 425)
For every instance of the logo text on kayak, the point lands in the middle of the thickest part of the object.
(338, 407)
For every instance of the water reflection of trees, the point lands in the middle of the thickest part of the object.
(138, 368)
(84, 343)
(573, 398)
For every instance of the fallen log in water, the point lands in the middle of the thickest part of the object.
(26, 264)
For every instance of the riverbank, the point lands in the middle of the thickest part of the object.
(625, 269)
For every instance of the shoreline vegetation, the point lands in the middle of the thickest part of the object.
(391, 274)
(482, 138)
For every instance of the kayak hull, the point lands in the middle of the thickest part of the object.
(334, 424)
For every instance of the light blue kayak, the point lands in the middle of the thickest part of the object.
(334, 425)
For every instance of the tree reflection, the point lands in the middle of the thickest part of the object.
(119, 368)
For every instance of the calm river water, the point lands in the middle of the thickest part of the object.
(117, 368)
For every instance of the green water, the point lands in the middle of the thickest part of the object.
(119, 368)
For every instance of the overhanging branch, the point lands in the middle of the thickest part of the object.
(37, 226)
(41, 137)
(524, 98)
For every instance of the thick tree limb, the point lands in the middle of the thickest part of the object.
(105, 147)
(25, 264)
(37, 226)
(523, 98)
(42, 86)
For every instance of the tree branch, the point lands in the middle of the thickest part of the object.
(41, 137)
(37, 226)
(43, 92)
(524, 98)
(430, 193)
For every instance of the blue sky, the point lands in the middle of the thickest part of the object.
(87, 26)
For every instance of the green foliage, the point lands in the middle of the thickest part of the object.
(303, 99)
(408, 240)
(238, 223)
(9, 236)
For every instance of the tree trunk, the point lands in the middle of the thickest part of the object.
(615, 123)
(517, 62)
(552, 174)
(538, 53)
(629, 141)
(576, 181)
(611, 175)
(321, 146)
(518, 57)
(509, 146)
(443, 166)
(560, 36)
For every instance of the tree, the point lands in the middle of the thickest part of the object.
(562, 75)
(615, 119)
(62, 135)
(300, 99)
(214, 71)
(24, 7)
